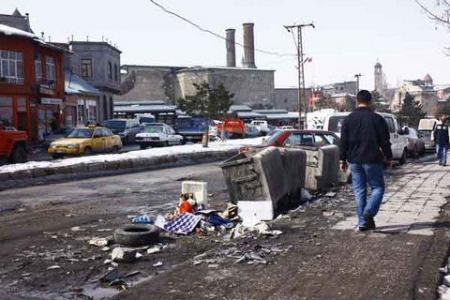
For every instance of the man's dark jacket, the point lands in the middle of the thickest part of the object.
(441, 134)
(365, 138)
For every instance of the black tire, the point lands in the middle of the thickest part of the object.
(166, 144)
(402, 160)
(136, 235)
(143, 147)
(56, 156)
(87, 151)
(18, 155)
(116, 149)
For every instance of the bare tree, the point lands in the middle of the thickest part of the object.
(437, 10)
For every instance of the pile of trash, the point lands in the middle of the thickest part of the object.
(190, 217)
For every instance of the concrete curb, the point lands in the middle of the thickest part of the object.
(39, 176)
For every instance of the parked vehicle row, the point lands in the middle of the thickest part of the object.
(85, 141)
(158, 134)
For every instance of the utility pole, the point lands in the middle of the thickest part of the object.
(301, 72)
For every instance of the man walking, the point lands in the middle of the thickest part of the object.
(365, 145)
(441, 138)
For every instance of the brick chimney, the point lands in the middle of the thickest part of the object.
(231, 48)
(249, 46)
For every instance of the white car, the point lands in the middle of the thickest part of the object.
(158, 134)
(261, 125)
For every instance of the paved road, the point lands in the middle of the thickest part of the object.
(49, 225)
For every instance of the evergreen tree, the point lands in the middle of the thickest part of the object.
(210, 102)
(410, 113)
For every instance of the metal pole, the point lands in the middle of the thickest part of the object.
(301, 73)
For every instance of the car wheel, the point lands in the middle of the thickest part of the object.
(87, 151)
(166, 144)
(143, 147)
(180, 142)
(19, 155)
(136, 235)
(54, 156)
(402, 160)
(116, 149)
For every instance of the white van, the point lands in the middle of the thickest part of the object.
(261, 125)
(425, 131)
(399, 139)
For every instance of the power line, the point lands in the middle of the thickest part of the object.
(213, 33)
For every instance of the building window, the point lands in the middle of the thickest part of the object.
(11, 67)
(51, 69)
(38, 68)
(116, 73)
(86, 68)
(110, 71)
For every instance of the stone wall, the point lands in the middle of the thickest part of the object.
(149, 83)
(250, 86)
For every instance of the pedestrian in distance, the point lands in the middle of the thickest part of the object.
(365, 147)
(440, 134)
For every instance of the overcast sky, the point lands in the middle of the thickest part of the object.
(350, 35)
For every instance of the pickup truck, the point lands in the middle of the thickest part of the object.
(13, 144)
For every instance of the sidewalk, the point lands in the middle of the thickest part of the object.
(328, 258)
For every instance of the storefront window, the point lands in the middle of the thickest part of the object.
(11, 67)
(6, 110)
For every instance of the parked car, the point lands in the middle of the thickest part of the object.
(261, 126)
(399, 143)
(125, 128)
(425, 132)
(296, 138)
(158, 134)
(416, 147)
(251, 131)
(85, 140)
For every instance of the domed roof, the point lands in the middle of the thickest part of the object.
(427, 78)
(377, 65)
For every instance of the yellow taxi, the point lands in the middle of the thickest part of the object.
(85, 140)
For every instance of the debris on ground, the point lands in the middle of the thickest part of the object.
(245, 253)
(99, 242)
(143, 219)
(126, 255)
(54, 267)
(158, 264)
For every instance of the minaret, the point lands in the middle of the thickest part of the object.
(378, 75)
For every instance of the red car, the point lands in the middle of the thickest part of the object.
(296, 137)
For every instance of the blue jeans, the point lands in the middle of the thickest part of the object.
(442, 153)
(363, 175)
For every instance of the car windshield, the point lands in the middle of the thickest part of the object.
(81, 133)
(153, 129)
(271, 140)
(335, 123)
(425, 133)
(116, 124)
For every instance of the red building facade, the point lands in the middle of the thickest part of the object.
(31, 83)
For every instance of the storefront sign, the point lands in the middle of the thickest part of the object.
(51, 101)
(47, 89)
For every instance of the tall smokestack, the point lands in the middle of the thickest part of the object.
(249, 46)
(231, 48)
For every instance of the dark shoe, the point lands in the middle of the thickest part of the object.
(440, 163)
(370, 223)
(362, 228)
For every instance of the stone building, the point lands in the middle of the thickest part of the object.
(250, 86)
(423, 91)
(98, 63)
